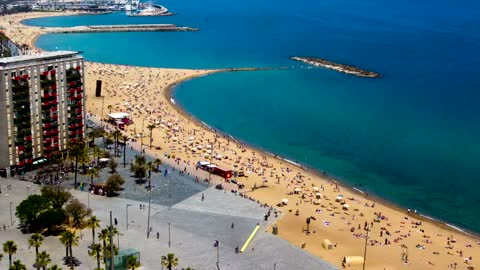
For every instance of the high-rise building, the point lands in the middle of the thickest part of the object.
(42, 107)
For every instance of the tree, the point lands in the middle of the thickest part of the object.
(54, 267)
(17, 265)
(114, 184)
(104, 236)
(93, 223)
(116, 135)
(132, 262)
(10, 248)
(36, 241)
(30, 208)
(96, 152)
(56, 195)
(112, 164)
(139, 167)
(96, 251)
(151, 127)
(43, 260)
(92, 172)
(77, 153)
(157, 162)
(77, 213)
(169, 261)
(69, 239)
(108, 141)
(125, 140)
(1, 257)
(109, 107)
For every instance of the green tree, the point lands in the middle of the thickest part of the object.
(36, 241)
(108, 141)
(124, 140)
(151, 127)
(96, 252)
(92, 172)
(96, 152)
(139, 167)
(77, 153)
(93, 223)
(54, 267)
(69, 239)
(116, 136)
(30, 208)
(104, 236)
(1, 257)
(169, 261)
(10, 248)
(77, 213)
(112, 164)
(132, 262)
(56, 195)
(157, 162)
(43, 260)
(114, 184)
(17, 265)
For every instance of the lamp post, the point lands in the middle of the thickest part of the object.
(169, 242)
(149, 203)
(11, 216)
(101, 116)
(126, 210)
(141, 139)
(216, 244)
(111, 243)
(367, 228)
(274, 266)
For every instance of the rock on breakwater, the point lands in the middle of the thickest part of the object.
(352, 70)
(122, 28)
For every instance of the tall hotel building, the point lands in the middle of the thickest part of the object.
(42, 107)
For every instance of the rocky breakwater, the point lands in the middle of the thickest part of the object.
(123, 28)
(352, 70)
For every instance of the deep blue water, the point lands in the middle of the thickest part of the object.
(411, 137)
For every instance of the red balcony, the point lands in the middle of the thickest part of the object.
(21, 164)
(78, 68)
(79, 97)
(55, 138)
(46, 103)
(54, 109)
(48, 155)
(21, 148)
(71, 83)
(53, 72)
(28, 139)
(30, 161)
(55, 146)
(79, 117)
(55, 116)
(47, 95)
(49, 140)
(72, 98)
(54, 87)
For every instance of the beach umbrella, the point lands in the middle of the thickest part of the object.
(297, 190)
(284, 201)
(346, 206)
(209, 151)
(192, 138)
(208, 146)
(316, 188)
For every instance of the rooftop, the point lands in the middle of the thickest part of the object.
(37, 57)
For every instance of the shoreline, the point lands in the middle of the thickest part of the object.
(180, 109)
(168, 97)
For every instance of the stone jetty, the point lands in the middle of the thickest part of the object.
(352, 70)
(122, 28)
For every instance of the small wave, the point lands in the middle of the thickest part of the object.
(205, 124)
(359, 190)
(173, 101)
(292, 162)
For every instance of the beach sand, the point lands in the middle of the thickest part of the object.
(144, 92)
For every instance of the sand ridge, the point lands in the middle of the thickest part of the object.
(395, 234)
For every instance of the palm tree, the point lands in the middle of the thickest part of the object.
(69, 239)
(17, 265)
(169, 261)
(54, 267)
(104, 236)
(157, 162)
(10, 248)
(1, 257)
(95, 251)
(132, 263)
(96, 152)
(93, 223)
(125, 140)
(92, 172)
(43, 260)
(116, 135)
(151, 127)
(76, 153)
(36, 241)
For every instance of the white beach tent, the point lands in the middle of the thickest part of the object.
(118, 115)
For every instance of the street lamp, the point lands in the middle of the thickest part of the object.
(126, 210)
(274, 266)
(141, 139)
(169, 242)
(216, 244)
(367, 228)
(11, 216)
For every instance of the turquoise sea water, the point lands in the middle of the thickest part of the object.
(411, 137)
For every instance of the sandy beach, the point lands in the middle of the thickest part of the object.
(398, 239)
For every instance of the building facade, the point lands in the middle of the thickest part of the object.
(42, 108)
